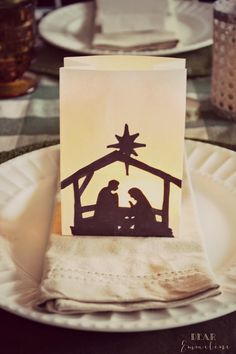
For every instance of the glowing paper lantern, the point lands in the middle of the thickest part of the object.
(122, 135)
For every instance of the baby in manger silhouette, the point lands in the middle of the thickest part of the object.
(110, 219)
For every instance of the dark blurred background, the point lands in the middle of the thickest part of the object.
(56, 3)
(52, 3)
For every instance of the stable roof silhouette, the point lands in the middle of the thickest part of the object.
(126, 145)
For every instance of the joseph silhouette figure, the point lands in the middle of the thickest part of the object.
(106, 209)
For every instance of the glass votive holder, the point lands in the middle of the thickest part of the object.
(17, 37)
(223, 95)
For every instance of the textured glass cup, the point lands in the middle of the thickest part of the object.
(17, 34)
(223, 93)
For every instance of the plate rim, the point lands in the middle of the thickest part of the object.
(91, 51)
(148, 326)
(104, 326)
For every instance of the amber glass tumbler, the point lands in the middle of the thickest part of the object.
(17, 37)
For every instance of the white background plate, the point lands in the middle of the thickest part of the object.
(27, 186)
(71, 28)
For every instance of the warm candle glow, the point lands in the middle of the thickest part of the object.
(96, 107)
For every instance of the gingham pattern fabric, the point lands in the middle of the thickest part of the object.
(31, 118)
(34, 118)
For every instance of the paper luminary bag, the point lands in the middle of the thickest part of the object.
(122, 126)
(122, 141)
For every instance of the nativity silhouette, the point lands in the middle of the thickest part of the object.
(109, 219)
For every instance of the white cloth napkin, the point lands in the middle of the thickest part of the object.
(135, 25)
(139, 40)
(133, 15)
(90, 274)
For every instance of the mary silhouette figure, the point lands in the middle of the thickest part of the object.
(106, 209)
(142, 214)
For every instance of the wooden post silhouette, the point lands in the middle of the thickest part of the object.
(78, 217)
(165, 205)
(85, 183)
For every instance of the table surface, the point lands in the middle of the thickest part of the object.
(21, 336)
(36, 124)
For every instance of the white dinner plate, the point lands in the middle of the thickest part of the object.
(27, 187)
(71, 28)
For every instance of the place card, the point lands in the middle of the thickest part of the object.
(122, 144)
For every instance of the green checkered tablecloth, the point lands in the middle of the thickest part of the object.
(34, 118)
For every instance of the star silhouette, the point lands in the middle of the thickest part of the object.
(127, 145)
